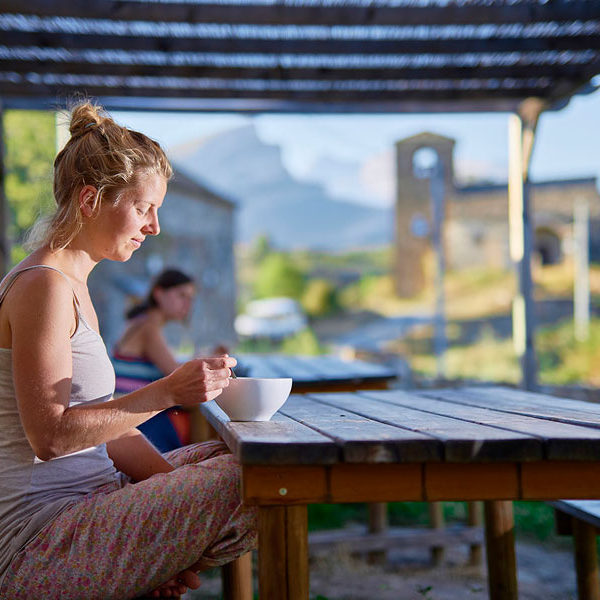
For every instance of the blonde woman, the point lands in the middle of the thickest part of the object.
(88, 508)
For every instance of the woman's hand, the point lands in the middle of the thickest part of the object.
(176, 586)
(199, 380)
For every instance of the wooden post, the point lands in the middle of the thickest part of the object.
(581, 283)
(378, 523)
(586, 560)
(436, 183)
(436, 521)
(237, 578)
(522, 128)
(475, 519)
(283, 552)
(4, 245)
(500, 546)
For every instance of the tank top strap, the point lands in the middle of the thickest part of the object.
(8, 281)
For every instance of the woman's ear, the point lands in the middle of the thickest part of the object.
(158, 294)
(87, 200)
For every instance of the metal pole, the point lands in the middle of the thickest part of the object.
(436, 183)
(581, 284)
(520, 249)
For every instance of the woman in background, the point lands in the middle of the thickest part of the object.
(142, 354)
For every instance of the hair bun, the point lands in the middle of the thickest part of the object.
(85, 117)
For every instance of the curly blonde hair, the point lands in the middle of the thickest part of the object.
(104, 155)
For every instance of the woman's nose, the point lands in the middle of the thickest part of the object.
(153, 227)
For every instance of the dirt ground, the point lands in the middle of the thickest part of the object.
(545, 572)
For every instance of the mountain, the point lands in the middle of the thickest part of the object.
(294, 214)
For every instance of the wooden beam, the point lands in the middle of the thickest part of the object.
(466, 97)
(283, 552)
(236, 578)
(163, 102)
(280, 72)
(500, 545)
(274, 14)
(456, 45)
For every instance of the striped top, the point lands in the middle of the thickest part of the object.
(133, 372)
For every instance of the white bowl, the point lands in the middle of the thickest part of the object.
(253, 398)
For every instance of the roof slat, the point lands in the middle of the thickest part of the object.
(280, 73)
(279, 13)
(297, 46)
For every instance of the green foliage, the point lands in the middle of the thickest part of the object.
(277, 275)
(319, 298)
(304, 342)
(30, 150)
(261, 247)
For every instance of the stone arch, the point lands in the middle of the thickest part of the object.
(547, 246)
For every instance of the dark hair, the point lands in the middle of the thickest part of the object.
(167, 279)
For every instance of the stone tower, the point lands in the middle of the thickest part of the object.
(414, 211)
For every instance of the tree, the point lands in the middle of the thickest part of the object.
(319, 298)
(30, 139)
(277, 275)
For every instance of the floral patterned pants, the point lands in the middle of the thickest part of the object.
(121, 542)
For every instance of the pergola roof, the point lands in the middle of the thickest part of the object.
(299, 55)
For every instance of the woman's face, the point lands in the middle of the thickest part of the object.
(120, 229)
(175, 302)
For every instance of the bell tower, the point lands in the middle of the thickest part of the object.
(413, 204)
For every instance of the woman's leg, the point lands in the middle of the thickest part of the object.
(121, 544)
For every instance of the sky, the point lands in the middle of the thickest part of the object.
(352, 155)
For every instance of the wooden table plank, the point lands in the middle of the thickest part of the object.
(462, 440)
(561, 441)
(291, 367)
(360, 439)
(257, 366)
(563, 410)
(359, 368)
(313, 369)
(279, 441)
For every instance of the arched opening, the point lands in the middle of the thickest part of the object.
(424, 162)
(548, 246)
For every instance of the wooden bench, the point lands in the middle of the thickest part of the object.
(581, 519)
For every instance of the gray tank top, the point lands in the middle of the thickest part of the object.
(33, 492)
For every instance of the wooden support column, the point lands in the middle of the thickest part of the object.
(522, 127)
(436, 521)
(500, 546)
(4, 245)
(475, 519)
(586, 560)
(283, 552)
(237, 579)
(378, 523)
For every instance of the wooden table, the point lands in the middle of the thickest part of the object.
(481, 443)
(323, 373)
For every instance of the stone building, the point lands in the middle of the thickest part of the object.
(476, 216)
(197, 237)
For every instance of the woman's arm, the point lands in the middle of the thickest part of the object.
(135, 456)
(42, 372)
